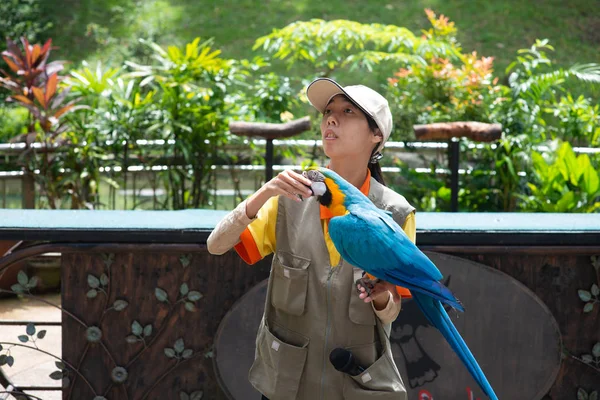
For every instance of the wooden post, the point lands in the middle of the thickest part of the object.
(270, 132)
(269, 160)
(28, 190)
(3, 193)
(453, 156)
(450, 132)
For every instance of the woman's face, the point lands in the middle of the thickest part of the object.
(345, 130)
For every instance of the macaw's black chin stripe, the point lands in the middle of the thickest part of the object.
(326, 199)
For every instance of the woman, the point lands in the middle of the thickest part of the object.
(312, 303)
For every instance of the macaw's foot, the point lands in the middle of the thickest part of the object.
(367, 284)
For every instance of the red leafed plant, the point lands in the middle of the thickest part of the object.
(34, 84)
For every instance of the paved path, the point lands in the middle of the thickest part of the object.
(32, 367)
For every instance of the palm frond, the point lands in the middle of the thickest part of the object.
(589, 73)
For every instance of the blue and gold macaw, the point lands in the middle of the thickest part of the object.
(370, 239)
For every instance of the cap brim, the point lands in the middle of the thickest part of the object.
(321, 90)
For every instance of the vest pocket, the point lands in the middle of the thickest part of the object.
(278, 366)
(290, 282)
(366, 354)
(380, 381)
(360, 312)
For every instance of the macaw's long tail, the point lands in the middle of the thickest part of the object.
(435, 313)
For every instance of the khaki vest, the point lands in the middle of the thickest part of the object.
(312, 308)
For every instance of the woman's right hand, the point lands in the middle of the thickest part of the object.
(287, 183)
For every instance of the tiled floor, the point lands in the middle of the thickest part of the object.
(32, 367)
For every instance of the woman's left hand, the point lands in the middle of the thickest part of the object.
(379, 294)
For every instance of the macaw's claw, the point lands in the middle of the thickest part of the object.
(367, 284)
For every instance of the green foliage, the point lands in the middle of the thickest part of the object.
(192, 84)
(577, 120)
(497, 174)
(119, 27)
(530, 78)
(425, 191)
(326, 46)
(184, 96)
(119, 113)
(531, 109)
(23, 18)
(14, 122)
(270, 98)
(444, 90)
(562, 182)
(536, 87)
(92, 85)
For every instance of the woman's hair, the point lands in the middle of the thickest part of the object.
(375, 168)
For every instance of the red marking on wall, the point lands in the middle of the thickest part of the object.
(425, 395)
(471, 395)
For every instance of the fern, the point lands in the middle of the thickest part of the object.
(535, 87)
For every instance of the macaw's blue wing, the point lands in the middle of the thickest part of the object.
(372, 241)
(437, 315)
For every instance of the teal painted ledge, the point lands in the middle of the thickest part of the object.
(194, 226)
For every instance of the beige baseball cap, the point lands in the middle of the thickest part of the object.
(321, 90)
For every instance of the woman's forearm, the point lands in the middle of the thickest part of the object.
(227, 232)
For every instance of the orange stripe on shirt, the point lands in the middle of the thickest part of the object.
(247, 248)
(258, 239)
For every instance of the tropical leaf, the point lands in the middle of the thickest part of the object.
(589, 73)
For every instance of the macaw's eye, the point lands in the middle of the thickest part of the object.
(314, 175)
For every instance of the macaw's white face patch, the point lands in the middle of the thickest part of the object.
(318, 186)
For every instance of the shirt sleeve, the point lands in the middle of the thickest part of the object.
(410, 228)
(258, 240)
(388, 314)
(227, 232)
